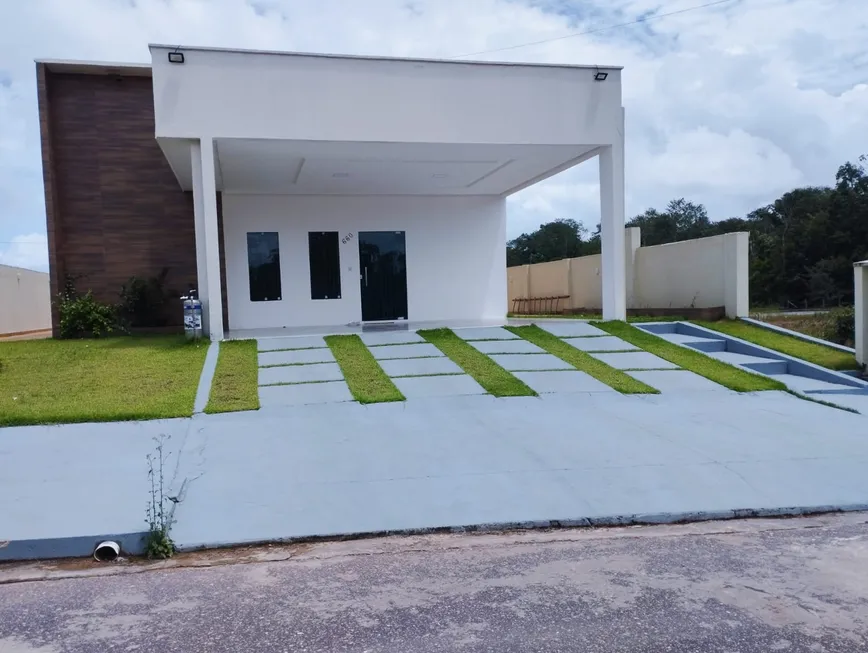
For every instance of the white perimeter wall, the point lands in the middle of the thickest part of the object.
(25, 300)
(700, 273)
(456, 255)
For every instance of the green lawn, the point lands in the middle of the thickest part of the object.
(809, 351)
(726, 375)
(56, 381)
(236, 379)
(491, 376)
(368, 383)
(620, 381)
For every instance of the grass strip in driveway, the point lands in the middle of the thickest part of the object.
(491, 376)
(727, 375)
(583, 361)
(133, 377)
(813, 353)
(236, 379)
(368, 383)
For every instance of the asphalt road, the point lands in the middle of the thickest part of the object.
(734, 587)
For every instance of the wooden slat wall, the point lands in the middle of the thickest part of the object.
(114, 208)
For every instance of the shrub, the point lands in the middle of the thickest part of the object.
(82, 316)
(841, 325)
(144, 301)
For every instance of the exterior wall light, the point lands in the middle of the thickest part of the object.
(600, 76)
(176, 57)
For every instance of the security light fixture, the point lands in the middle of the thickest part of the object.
(600, 76)
(439, 175)
(341, 175)
(176, 57)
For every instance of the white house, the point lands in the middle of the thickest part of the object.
(371, 188)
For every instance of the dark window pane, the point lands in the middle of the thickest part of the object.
(325, 265)
(263, 261)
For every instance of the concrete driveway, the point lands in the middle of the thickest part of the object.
(440, 462)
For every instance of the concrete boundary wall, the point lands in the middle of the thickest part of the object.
(703, 273)
(860, 287)
(25, 301)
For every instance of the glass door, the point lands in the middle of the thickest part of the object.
(383, 267)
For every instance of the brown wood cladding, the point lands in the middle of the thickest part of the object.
(114, 207)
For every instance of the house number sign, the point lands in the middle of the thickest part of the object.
(347, 238)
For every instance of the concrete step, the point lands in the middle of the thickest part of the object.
(809, 385)
(768, 367)
(734, 358)
(707, 345)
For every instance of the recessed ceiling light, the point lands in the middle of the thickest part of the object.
(341, 175)
(439, 175)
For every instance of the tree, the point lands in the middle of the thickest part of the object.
(682, 220)
(551, 242)
(802, 245)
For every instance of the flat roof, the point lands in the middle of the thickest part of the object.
(363, 57)
(96, 67)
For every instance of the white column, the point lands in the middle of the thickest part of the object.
(612, 228)
(632, 242)
(199, 221)
(208, 246)
(860, 273)
(736, 274)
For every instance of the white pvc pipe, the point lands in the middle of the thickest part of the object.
(106, 551)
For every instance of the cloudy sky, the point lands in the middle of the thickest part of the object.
(729, 105)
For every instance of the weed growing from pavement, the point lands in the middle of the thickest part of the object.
(158, 513)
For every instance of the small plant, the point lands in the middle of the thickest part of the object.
(143, 302)
(82, 316)
(158, 514)
(841, 325)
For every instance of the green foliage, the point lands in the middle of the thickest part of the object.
(551, 242)
(842, 326)
(790, 345)
(491, 376)
(367, 381)
(682, 220)
(236, 378)
(802, 245)
(729, 376)
(159, 546)
(145, 302)
(581, 360)
(158, 513)
(82, 316)
(109, 379)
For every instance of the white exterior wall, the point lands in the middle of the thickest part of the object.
(700, 273)
(291, 96)
(860, 274)
(456, 255)
(25, 300)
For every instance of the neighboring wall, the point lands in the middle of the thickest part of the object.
(456, 254)
(701, 273)
(25, 300)
(860, 287)
(114, 208)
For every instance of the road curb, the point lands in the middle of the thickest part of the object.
(644, 519)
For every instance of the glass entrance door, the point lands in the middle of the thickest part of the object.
(383, 267)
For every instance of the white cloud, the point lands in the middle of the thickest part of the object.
(707, 162)
(29, 251)
(728, 105)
